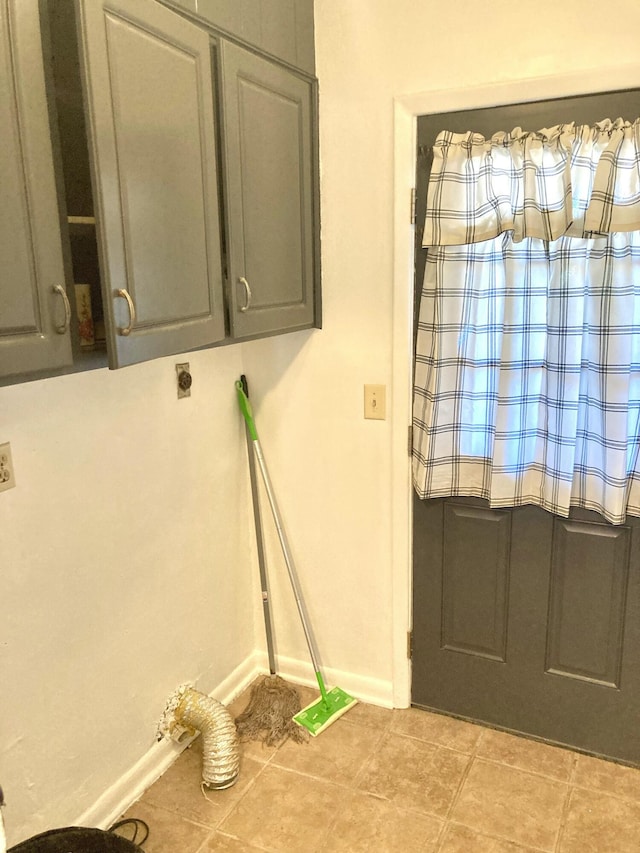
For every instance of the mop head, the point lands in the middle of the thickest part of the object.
(317, 716)
(268, 716)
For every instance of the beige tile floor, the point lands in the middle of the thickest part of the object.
(402, 780)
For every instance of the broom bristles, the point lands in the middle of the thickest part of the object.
(269, 715)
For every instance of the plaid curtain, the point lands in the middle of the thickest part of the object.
(527, 374)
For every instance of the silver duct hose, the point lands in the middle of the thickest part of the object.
(188, 712)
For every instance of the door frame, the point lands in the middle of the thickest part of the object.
(407, 108)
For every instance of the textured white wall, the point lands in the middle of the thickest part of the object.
(125, 572)
(126, 568)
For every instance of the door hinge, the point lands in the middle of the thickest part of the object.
(410, 440)
(413, 206)
(409, 645)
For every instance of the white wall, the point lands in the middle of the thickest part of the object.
(125, 572)
(338, 473)
(126, 565)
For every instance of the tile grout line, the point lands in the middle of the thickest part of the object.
(384, 733)
(305, 773)
(179, 816)
(546, 776)
(174, 814)
(475, 757)
(465, 774)
(365, 764)
(352, 788)
(232, 806)
(446, 820)
(497, 837)
(565, 808)
(584, 786)
(605, 792)
(204, 848)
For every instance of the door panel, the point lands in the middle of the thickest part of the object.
(31, 256)
(569, 669)
(152, 131)
(474, 603)
(589, 578)
(269, 186)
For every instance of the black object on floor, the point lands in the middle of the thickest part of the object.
(75, 839)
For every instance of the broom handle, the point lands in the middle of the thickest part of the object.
(268, 626)
(289, 563)
(245, 408)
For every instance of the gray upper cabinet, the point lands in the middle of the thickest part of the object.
(268, 143)
(152, 139)
(159, 171)
(34, 309)
(282, 28)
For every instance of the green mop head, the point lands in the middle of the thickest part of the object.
(317, 716)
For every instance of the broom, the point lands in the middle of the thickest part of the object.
(272, 702)
(317, 716)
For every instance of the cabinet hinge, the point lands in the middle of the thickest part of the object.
(409, 645)
(413, 206)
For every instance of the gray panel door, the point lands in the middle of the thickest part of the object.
(149, 81)
(523, 620)
(34, 334)
(269, 186)
(529, 622)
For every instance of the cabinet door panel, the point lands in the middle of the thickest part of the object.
(268, 126)
(282, 28)
(242, 18)
(278, 18)
(31, 257)
(150, 92)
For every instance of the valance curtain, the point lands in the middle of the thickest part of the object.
(527, 374)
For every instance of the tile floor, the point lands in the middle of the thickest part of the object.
(403, 780)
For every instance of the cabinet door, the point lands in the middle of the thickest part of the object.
(282, 28)
(269, 194)
(31, 259)
(149, 89)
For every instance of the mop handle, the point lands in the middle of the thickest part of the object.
(262, 564)
(245, 407)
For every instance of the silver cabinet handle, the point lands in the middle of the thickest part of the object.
(247, 293)
(126, 330)
(63, 329)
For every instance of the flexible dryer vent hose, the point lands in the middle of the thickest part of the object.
(188, 709)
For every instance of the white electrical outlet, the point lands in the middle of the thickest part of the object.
(7, 477)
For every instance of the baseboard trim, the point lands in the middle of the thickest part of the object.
(120, 796)
(130, 787)
(375, 691)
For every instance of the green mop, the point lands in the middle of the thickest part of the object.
(268, 716)
(318, 715)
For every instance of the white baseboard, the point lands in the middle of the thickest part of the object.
(130, 787)
(116, 800)
(375, 691)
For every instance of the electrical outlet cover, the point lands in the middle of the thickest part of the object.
(375, 402)
(7, 475)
